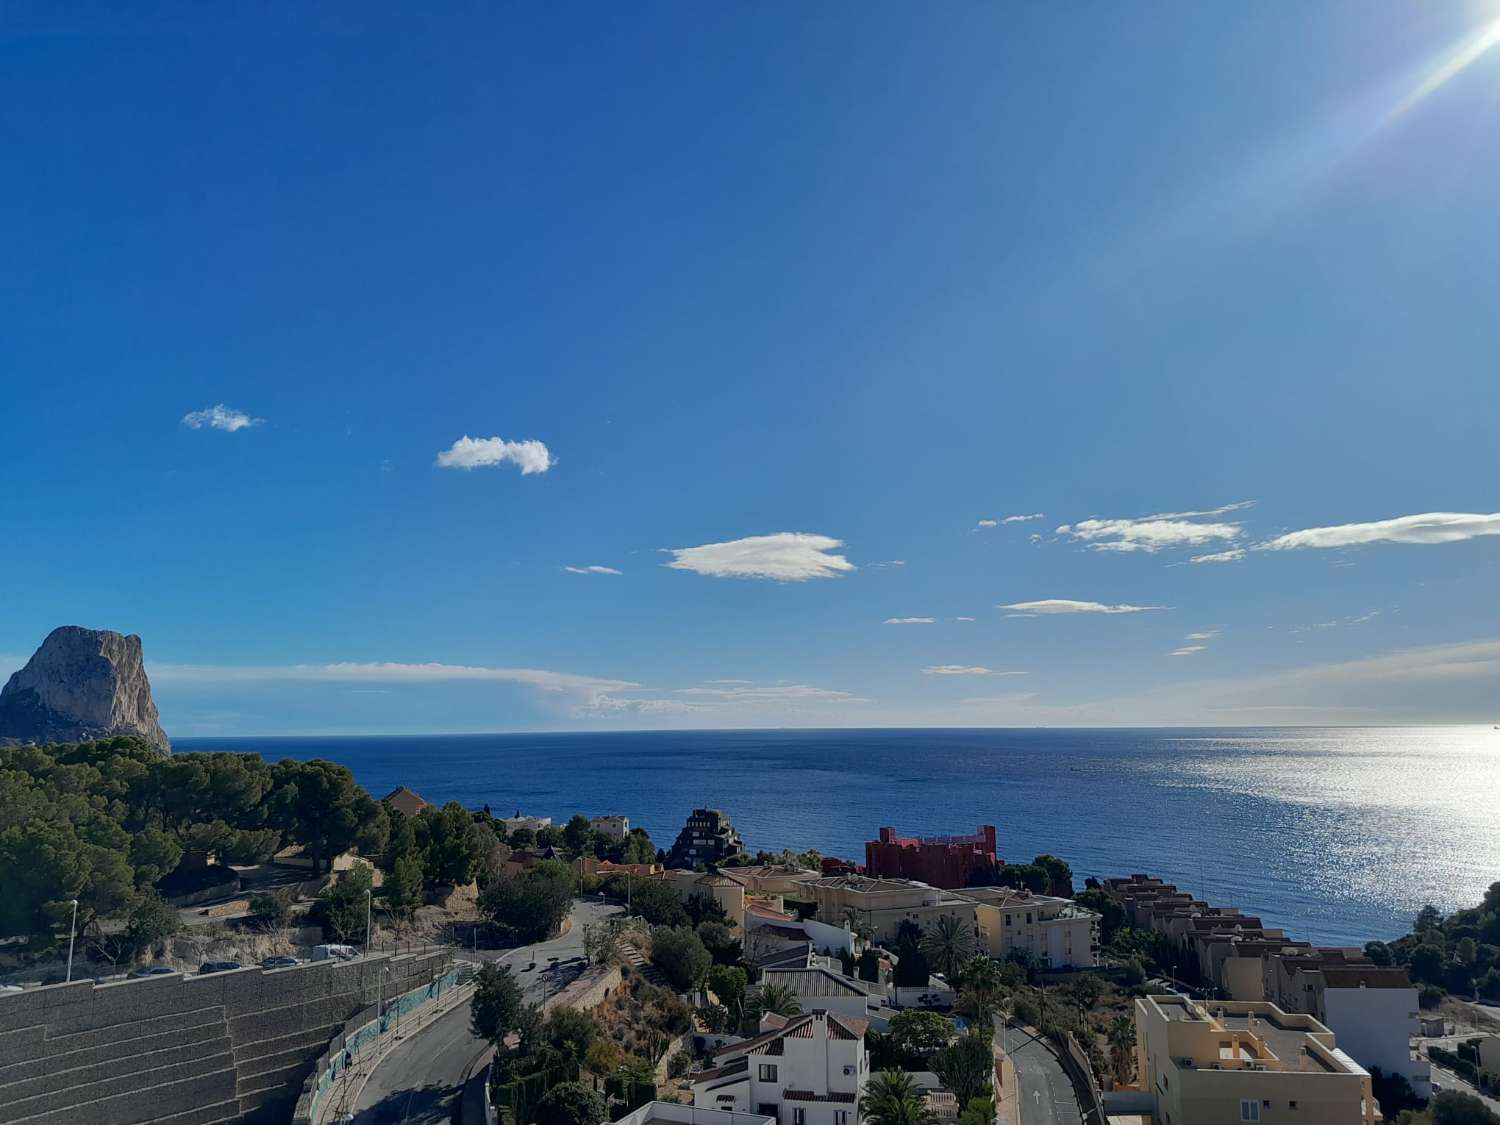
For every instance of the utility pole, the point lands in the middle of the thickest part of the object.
(369, 899)
(72, 933)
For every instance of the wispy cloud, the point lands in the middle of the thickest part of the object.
(1024, 519)
(963, 619)
(1234, 554)
(909, 621)
(220, 417)
(1430, 527)
(1067, 605)
(386, 672)
(965, 670)
(787, 556)
(988, 523)
(1205, 635)
(886, 564)
(795, 694)
(591, 570)
(1187, 650)
(1154, 533)
(478, 453)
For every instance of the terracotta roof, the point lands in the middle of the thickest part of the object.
(772, 1042)
(406, 801)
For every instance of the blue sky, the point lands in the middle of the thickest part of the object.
(693, 275)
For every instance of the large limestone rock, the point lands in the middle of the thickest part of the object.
(81, 684)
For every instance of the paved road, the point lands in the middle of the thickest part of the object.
(1046, 1096)
(419, 1081)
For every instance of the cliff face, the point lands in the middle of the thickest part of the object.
(81, 684)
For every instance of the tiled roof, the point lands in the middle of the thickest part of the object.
(813, 982)
(809, 1096)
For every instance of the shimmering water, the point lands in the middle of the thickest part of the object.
(1338, 834)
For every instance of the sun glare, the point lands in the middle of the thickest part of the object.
(1450, 65)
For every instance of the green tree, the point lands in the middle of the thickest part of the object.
(967, 1067)
(402, 889)
(658, 903)
(982, 988)
(728, 983)
(980, 1111)
(1120, 1034)
(152, 921)
(495, 1008)
(1025, 877)
(721, 942)
(1453, 1108)
(578, 836)
(1426, 964)
(571, 1031)
(917, 1035)
(891, 1098)
(453, 844)
(681, 956)
(344, 907)
(271, 910)
(532, 904)
(1059, 874)
(319, 805)
(1111, 913)
(570, 1103)
(869, 965)
(1378, 952)
(948, 944)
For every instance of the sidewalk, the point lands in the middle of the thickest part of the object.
(1007, 1089)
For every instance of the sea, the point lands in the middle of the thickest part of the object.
(1339, 835)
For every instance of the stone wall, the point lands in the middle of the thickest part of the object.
(183, 1050)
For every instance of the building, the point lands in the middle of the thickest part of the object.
(615, 827)
(1233, 1063)
(1057, 931)
(529, 823)
(1372, 1009)
(706, 838)
(939, 861)
(823, 990)
(811, 1069)
(405, 801)
(672, 1113)
(717, 886)
(882, 905)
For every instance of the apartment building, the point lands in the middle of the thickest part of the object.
(811, 1069)
(938, 861)
(707, 837)
(1373, 1010)
(1057, 931)
(884, 904)
(615, 827)
(723, 890)
(1235, 1063)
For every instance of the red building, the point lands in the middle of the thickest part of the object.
(941, 861)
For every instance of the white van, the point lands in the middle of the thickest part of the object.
(334, 953)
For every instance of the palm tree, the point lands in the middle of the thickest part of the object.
(949, 944)
(1121, 1036)
(775, 998)
(891, 1098)
(982, 988)
(859, 926)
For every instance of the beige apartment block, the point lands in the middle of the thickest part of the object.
(883, 904)
(1230, 1063)
(1057, 931)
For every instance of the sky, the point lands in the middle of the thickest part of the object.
(595, 366)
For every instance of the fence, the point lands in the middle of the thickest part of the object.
(362, 1035)
(1076, 1065)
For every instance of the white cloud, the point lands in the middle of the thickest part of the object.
(965, 670)
(787, 556)
(794, 694)
(220, 417)
(591, 570)
(1206, 635)
(1430, 527)
(963, 619)
(1234, 554)
(378, 672)
(1024, 519)
(909, 621)
(477, 453)
(988, 523)
(1153, 533)
(1068, 605)
(1187, 650)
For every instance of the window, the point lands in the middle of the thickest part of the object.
(799, 1116)
(841, 1117)
(1028, 917)
(1292, 1104)
(768, 1072)
(1249, 1110)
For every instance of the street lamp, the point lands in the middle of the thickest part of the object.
(72, 933)
(368, 899)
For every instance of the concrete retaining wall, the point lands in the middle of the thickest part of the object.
(183, 1050)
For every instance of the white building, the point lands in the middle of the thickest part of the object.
(821, 989)
(671, 1113)
(812, 1069)
(530, 823)
(615, 827)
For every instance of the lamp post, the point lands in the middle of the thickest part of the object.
(368, 900)
(72, 933)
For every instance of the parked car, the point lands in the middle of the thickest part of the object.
(153, 971)
(11, 988)
(334, 953)
(219, 966)
(279, 962)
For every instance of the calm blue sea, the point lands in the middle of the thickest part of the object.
(1338, 834)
